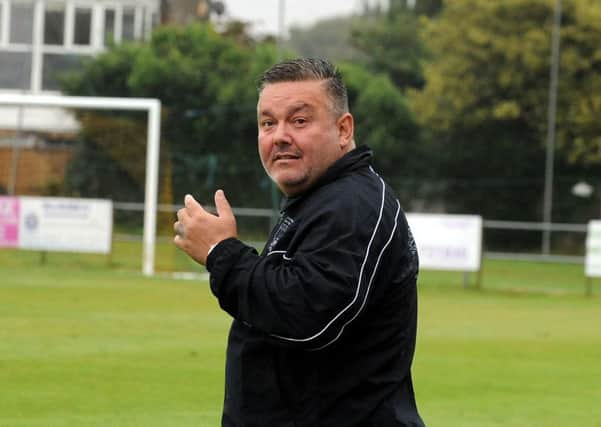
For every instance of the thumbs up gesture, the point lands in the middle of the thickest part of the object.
(197, 230)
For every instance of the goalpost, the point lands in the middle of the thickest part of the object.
(153, 108)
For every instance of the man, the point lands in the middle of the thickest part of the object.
(325, 318)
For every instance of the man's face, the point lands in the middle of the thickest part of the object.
(300, 136)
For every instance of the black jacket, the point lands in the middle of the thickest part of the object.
(325, 318)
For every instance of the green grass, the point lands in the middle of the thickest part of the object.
(502, 359)
(125, 256)
(85, 345)
(103, 348)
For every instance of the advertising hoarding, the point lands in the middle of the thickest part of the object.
(592, 260)
(447, 242)
(56, 224)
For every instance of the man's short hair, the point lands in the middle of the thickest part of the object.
(305, 69)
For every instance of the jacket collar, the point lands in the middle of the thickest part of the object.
(358, 158)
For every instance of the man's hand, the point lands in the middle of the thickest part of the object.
(196, 230)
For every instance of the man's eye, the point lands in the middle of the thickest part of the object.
(266, 123)
(300, 121)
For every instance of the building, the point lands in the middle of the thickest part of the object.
(40, 40)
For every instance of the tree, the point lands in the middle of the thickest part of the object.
(428, 7)
(385, 122)
(328, 38)
(486, 98)
(106, 161)
(391, 43)
(206, 83)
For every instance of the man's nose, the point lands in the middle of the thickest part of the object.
(281, 135)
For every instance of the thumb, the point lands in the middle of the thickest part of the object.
(191, 204)
(223, 206)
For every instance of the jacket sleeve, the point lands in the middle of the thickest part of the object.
(308, 297)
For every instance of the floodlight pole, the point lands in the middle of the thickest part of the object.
(551, 117)
(275, 195)
(281, 26)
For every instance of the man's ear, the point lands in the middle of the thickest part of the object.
(346, 128)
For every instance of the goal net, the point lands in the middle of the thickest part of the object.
(86, 147)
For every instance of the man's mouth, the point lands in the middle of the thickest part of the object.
(285, 156)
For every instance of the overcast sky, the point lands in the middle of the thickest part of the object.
(264, 13)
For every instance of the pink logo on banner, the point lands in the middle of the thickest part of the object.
(9, 222)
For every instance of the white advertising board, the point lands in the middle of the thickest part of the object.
(447, 242)
(592, 260)
(65, 224)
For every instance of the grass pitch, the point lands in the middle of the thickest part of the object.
(86, 345)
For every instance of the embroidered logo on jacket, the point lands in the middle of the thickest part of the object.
(281, 229)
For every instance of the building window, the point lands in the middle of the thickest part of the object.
(55, 66)
(109, 26)
(129, 19)
(54, 24)
(16, 70)
(83, 26)
(21, 23)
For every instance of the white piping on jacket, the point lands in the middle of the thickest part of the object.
(287, 258)
(276, 252)
(358, 282)
(370, 280)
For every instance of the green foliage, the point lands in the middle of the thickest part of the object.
(384, 121)
(105, 75)
(106, 161)
(376, 63)
(428, 7)
(493, 70)
(386, 41)
(93, 171)
(392, 45)
(206, 83)
(328, 38)
(474, 75)
(486, 98)
(209, 102)
(580, 85)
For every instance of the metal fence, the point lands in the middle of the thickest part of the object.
(529, 251)
(577, 255)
